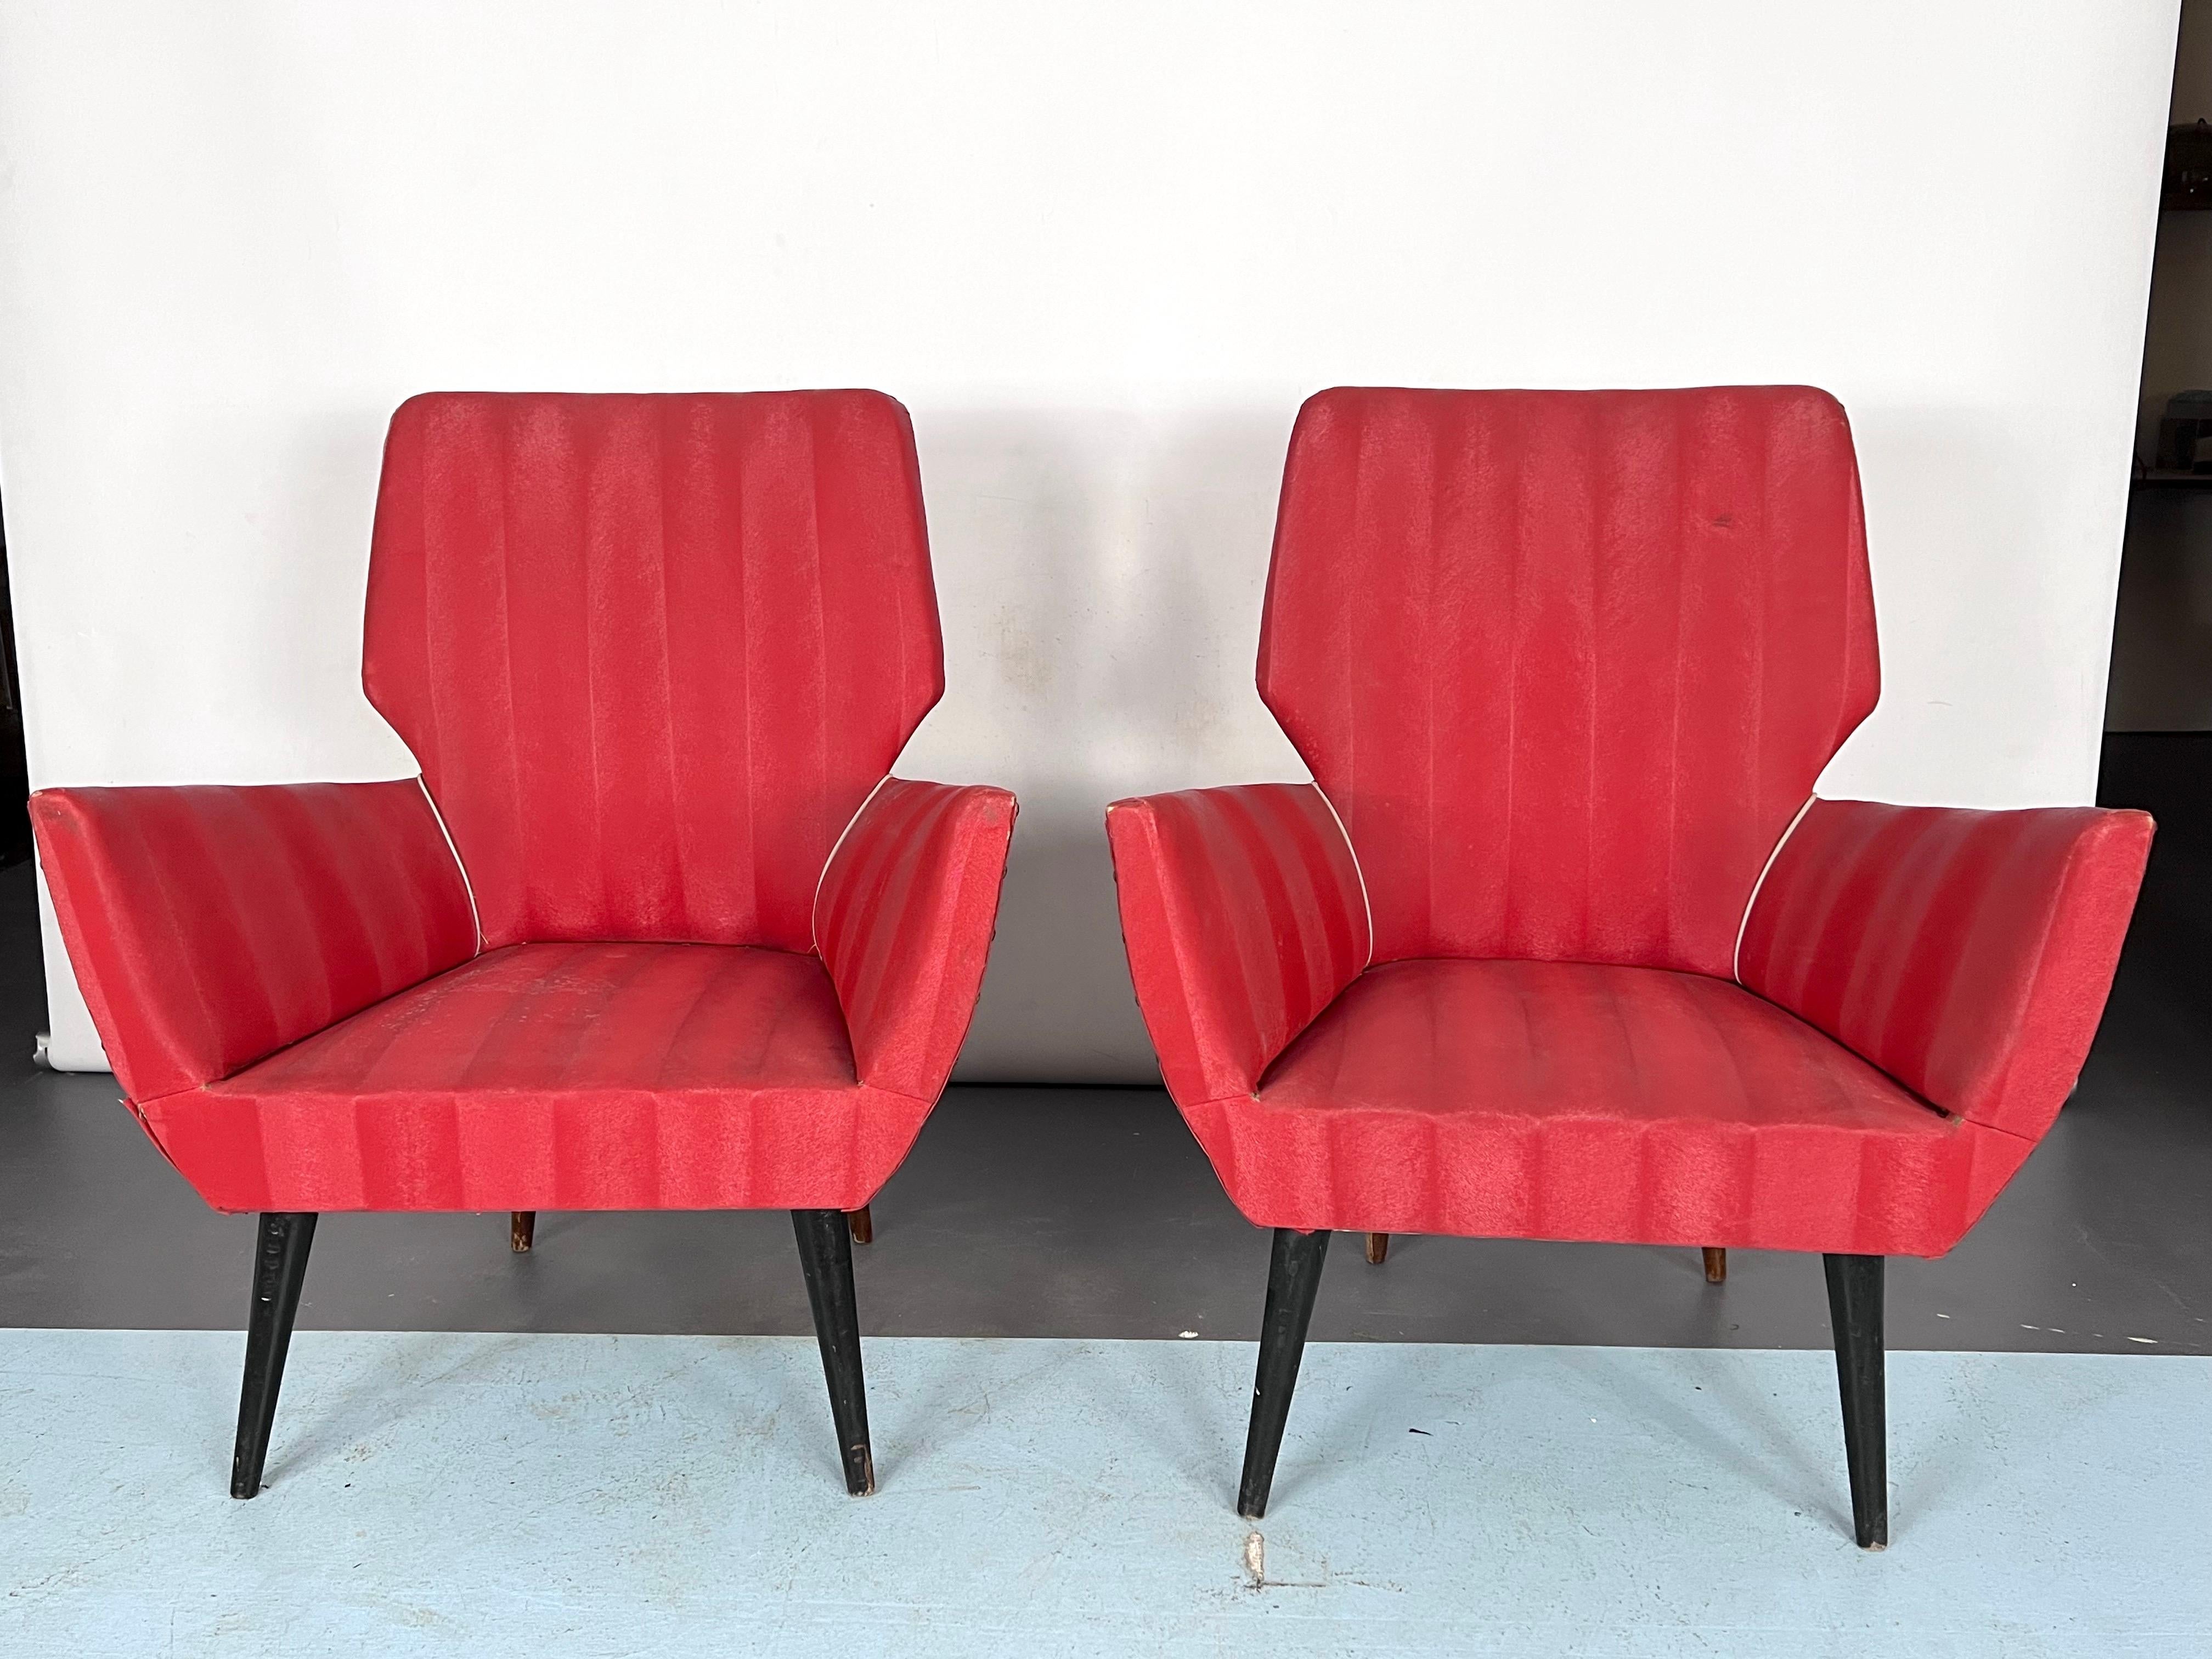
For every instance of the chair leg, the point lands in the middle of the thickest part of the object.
(1716, 1266)
(1378, 1249)
(1293, 1277)
(280, 1267)
(1855, 1311)
(825, 1254)
(522, 1230)
(863, 1225)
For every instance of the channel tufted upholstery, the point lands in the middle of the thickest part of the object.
(1968, 954)
(210, 924)
(560, 1077)
(1261, 877)
(651, 652)
(1567, 665)
(1588, 1100)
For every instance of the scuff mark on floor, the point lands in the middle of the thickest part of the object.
(1256, 1570)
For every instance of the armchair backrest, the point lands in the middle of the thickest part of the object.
(1568, 663)
(651, 652)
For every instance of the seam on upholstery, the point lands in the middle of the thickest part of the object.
(1365, 903)
(917, 1100)
(814, 911)
(138, 1107)
(1252, 1093)
(1993, 1128)
(1735, 958)
(476, 917)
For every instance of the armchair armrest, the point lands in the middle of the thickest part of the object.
(1968, 954)
(903, 918)
(210, 926)
(1243, 915)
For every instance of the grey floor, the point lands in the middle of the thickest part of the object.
(603, 1496)
(1090, 1213)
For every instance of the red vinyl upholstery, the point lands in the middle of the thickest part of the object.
(1244, 917)
(903, 923)
(1968, 954)
(210, 925)
(560, 1077)
(1569, 665)
(653, 653)
(1589, 1101)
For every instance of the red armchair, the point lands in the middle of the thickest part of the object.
(1558, 945)
(652, 929)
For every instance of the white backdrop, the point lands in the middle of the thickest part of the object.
(1101, 252)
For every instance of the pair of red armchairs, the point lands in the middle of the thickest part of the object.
(1558, 944)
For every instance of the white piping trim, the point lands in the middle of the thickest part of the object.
(1365, 903)
(814, 914)
(1735, 961)
(467, 886)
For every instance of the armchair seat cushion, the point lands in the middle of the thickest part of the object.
(558, 1077)
(1574, 1101)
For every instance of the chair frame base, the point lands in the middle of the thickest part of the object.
(1854, 1299)
(280, 1269)
(826, 1255)
(1294, 1280)
(1855, 1308)
(522, 1228)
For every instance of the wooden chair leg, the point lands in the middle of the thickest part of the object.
(1378, 1249)
(825, 1254)
(1716, 1266)
(1855, 1311)
(522, 1230)
(1293, 1277)
(863, 1225)
(280, 1267)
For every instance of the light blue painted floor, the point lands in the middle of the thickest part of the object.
(572, 1497)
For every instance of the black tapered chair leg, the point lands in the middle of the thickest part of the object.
(825, 1253)
(522, 1230)
(280, 1267)
(1293, 1277)
(1855, 1309)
